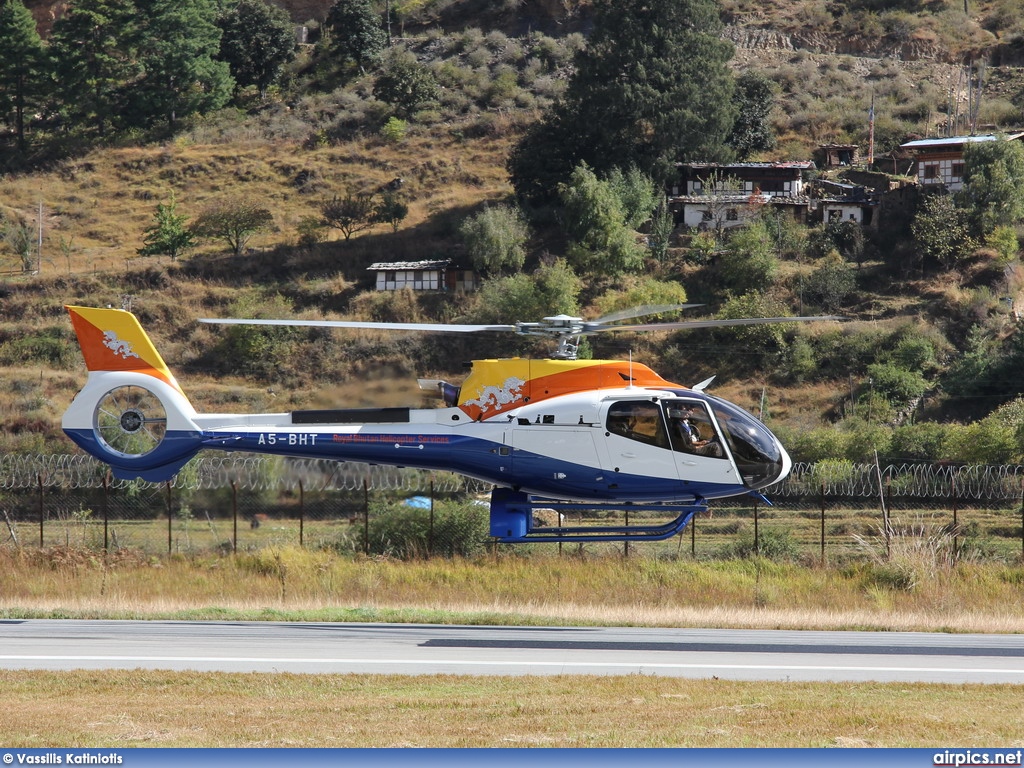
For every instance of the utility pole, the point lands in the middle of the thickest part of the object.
(39, 241)
(871, 132)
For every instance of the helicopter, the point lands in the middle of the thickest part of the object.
(559, 433)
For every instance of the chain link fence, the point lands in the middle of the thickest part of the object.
(828, 511)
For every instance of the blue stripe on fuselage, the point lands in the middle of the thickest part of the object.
(486, 460)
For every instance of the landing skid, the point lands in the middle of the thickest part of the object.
(512, 520)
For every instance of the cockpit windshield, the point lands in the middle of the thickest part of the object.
(759, 456)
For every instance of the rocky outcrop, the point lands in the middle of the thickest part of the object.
(761, 38)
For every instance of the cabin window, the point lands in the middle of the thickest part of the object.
(639, 420)
(732, 214)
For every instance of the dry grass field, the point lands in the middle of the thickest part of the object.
(164, 709)
(912, 591)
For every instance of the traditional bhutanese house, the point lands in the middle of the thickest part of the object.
(718, 196)
(837, 155)
(940, 162)
(783, 179)
(846, 202)
(423, 276)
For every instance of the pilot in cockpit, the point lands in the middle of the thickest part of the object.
(685, 423)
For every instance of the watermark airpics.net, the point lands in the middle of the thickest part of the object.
(959, 757)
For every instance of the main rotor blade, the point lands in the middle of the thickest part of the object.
(649, 309)
(429, 327)
(685, 324)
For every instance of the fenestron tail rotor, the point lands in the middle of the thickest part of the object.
(130, 421)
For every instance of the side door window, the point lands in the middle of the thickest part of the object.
(639, 420)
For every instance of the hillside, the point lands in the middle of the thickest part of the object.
(304, 146)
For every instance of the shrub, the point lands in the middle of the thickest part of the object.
(49, 346)
(771, 544)
(394, 130)
(898, 385)
(459, 530)
(830, 283)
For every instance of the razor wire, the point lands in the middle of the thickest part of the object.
(252, 473)
(981, 482)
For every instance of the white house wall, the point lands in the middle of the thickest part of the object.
(933, 172)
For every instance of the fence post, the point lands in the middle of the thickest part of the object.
(1022, 519)
(234, 516)
(39, 479)
(757, 533)
(956, 524)
(170, 518)
(366, 518)
(430, 529)
(887, 523)
(106, 516)
(823, 525)
(625, 544)
(693, 535)
(302, 513)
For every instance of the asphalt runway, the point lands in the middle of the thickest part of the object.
(471, 650)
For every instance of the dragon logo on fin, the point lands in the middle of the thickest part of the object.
(119, 347)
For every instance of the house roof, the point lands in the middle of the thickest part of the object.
(951, 141)
(801, 164)
(397, 266)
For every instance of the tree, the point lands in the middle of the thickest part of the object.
(176, 42)
(652, 88)
(22, 66)
(600, 241)
(636, 291)
(257, 42)
(754, 99)
(748, 264)
(168, 236)
(391, 209)
(234, 222)
(663, 224)
(637, 194)
(354, 212)
(405, 84)
(93, 59)
(550, 290)
(831, 282)
(355, 32)
(496, 239)
(941, 230)
(993, 191)
(18, 236)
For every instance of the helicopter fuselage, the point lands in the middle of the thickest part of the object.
(603, 432)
